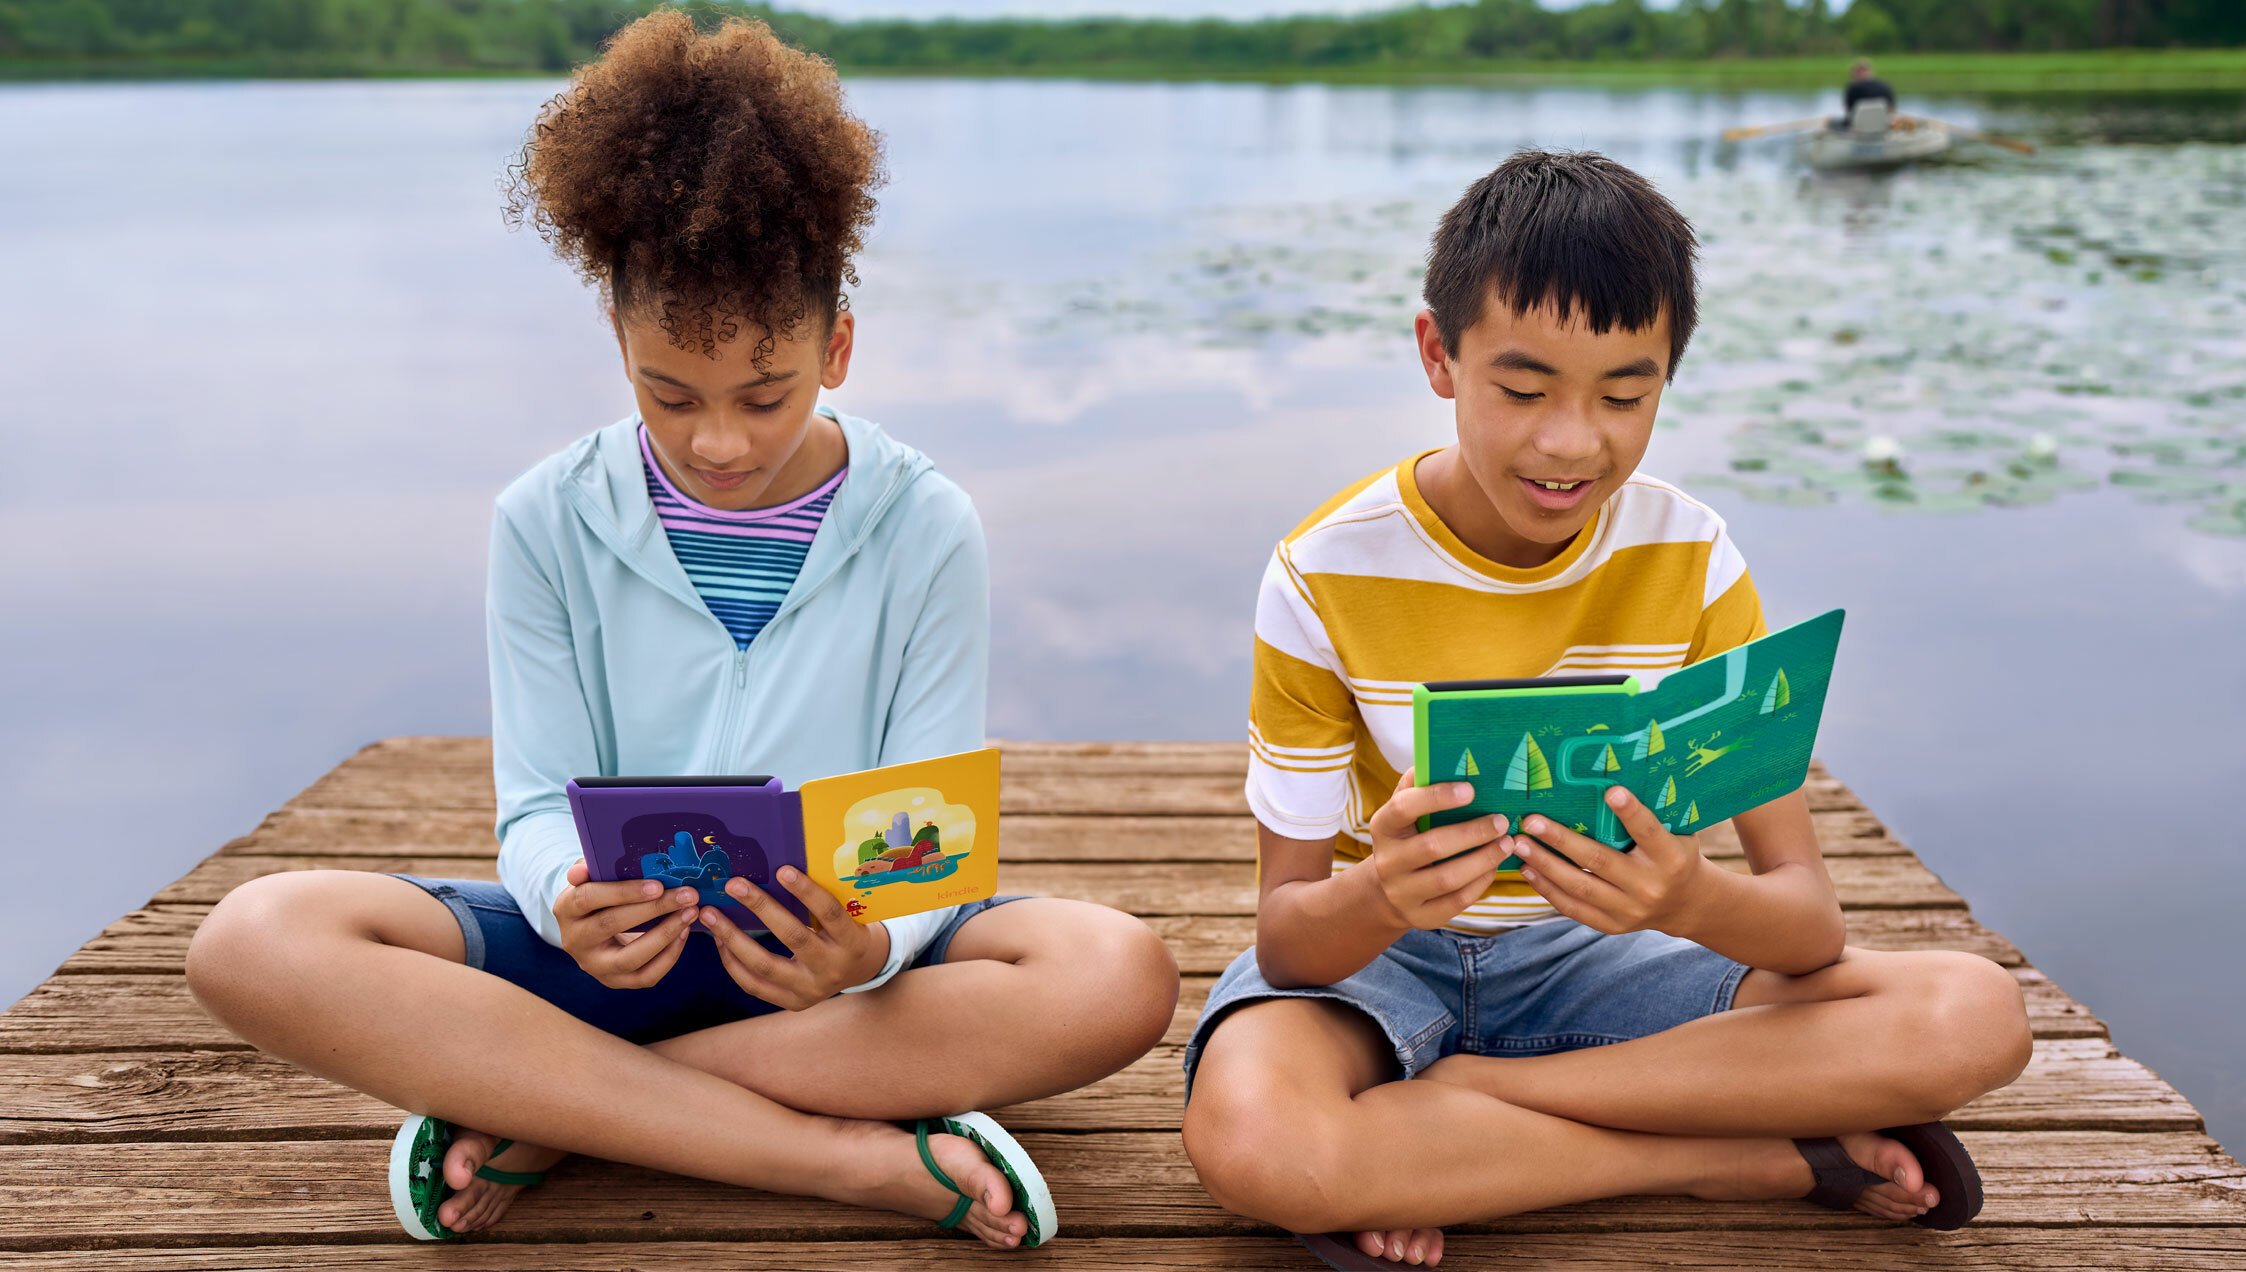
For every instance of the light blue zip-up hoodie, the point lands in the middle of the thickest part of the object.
(605, 661)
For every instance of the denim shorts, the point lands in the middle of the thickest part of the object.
(695, 994)
(1552, 986)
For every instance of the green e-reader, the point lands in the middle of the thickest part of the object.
(1706, 741)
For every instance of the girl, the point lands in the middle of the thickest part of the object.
(736, 579)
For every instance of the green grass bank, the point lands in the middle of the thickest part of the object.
(2100, 71)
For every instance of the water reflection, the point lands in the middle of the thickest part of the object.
(2098, 345)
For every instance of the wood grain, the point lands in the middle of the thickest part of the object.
(238, 1160)
(154, 1013)
(1137, 887)
(2071, 1084)
(399, 782)
(381, 832)
(1864, 1248)
(155, 939)
(1120, 1183)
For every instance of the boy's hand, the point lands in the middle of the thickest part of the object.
(1419, 887)
(1651, 887)
(597, 921)
(831, 957)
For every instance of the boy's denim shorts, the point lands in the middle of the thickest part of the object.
(1552, 986)
(695, 994)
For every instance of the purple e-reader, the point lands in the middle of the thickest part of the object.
(693, 832)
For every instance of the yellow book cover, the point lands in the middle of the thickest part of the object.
(906, 838)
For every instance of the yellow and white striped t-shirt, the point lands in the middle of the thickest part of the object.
(1374, 594)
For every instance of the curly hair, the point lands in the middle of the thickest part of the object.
(702, 178)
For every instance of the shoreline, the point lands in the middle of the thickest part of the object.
(2148, 71)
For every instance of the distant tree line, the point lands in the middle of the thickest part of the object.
(411, 35)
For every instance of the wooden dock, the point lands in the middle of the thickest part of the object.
(136, 1133)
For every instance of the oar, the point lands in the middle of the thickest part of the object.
(2008, 143)
(1742, 134)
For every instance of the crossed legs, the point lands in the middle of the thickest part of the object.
(1296, 1118)
(358, 977)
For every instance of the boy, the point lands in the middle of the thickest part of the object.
(1416, 1040)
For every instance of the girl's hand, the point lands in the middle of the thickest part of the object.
(597, 921)
(1655, 886)
(832, 956)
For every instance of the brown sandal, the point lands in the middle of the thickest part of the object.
(1941, 1159)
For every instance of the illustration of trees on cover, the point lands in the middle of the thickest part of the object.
(1651, 743)
(1777, 695)
(1466, 765)
(1528, 771)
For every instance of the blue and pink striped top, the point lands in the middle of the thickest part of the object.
(741, 563)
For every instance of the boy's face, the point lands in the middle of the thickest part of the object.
(725, 427)
(1544, 402)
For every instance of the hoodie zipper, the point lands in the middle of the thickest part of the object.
(730, 735)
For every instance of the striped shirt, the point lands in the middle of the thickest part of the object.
(741, 563)
(1373, 594)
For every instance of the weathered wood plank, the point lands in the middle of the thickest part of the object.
(2052, 1013)
(382, 832)
(2071, 1084)
(1052, 791)
(95, 1013)
(474, 752)
(1056, 791)
(151, 939)
(2080, 1084)
(155, 939)
(1097, 759)
(1207, 943)
(1120, 1183)
(1142, 888)
(114, 1052)
(1865, 1248)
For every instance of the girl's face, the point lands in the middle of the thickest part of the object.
(729, 430)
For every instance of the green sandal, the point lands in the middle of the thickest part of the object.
(1031, 1196)
(417, 1175)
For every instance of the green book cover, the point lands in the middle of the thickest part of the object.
(1707, 741)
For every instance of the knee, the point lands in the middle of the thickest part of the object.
(1136, 978)
(238, 958)
(1268, 1158)
(1972, 1032)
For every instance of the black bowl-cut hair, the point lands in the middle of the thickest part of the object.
(1573, 229)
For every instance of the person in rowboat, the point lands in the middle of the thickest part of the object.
(1862, 86)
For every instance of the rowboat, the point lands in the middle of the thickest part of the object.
(1874, 139)
(1853, 148)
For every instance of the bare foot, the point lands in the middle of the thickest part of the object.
(478, 1203)
(899, 1181)
(1904, 1195)
(1420, 1247)
(1781, 1171)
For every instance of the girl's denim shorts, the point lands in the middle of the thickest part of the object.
(1552, 986)
(695, 994)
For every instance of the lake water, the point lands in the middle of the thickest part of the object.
(269, 352)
